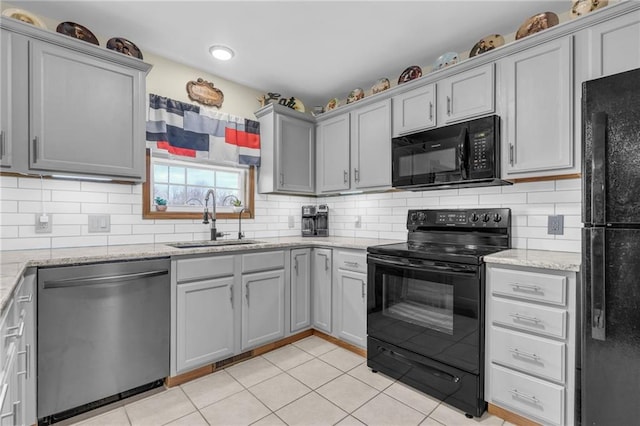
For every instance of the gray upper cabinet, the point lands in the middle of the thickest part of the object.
(287, 139)
(6, 97)
(371, 146)
(467, 94)
(321, 267)
(332, 151)
(300, 289)
(83, 106)
(414, 110)
(538, 90)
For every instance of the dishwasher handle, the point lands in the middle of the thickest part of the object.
(88, 281)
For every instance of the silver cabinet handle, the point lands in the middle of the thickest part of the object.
(347, 262)
(518, 352)
(356, 174)
(448, 105)
(281, 179)
(529, 398)
(525, 287)
(27, 361)
(18, 333)
(326, 261)
(2, 146)
(88, 281)
(231, 294)
(511, 156)
(25, 299)
(430, 111)
(346, 176)
(35, 149)
(521, 317)
(363, 284)
(246, 287)
(295, 263)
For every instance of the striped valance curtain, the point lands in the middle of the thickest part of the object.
(193, 131)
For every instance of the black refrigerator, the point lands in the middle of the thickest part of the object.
(610, 355)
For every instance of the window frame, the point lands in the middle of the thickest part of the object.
(149, 213)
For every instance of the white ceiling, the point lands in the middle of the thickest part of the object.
(313, 50)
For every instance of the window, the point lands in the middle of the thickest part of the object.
(184, 184)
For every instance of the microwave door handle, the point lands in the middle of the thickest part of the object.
(463, 153)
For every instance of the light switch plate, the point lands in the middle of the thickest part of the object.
(44, 223)
(99, 223)
(555, 225)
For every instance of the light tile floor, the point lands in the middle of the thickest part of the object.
(310, 382)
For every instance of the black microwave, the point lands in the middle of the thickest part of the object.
(461, 155)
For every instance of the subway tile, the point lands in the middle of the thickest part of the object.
(57, 230)
(124, 198)
(79, 241)
(568, 184)
(172, 238)
(91, 208)
(70, 219)
(557, 245)
(127, 219)
(480, 191)
(460, 199)
(504, 199)
(407, 194)
(518, 243)
(55, 184)
(569, 208)
(36, 207)
(554, 197)
(8, 232)
(395, 235)
(532, 209)
(26, 194)
(8, 182)
(17, 219)
(8, 206)
(79, 197)
(529, 187)
(105, 187)
(530, 232)
(25, 243)
(570, 234)
(130, 239)
(152, 229)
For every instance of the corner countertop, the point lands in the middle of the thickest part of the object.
(14, 263)
(557, 260)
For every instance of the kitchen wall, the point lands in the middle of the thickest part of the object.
(382, 215)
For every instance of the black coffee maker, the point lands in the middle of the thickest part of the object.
(315, 221)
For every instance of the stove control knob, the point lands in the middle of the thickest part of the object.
(497, 218)
(421, 216)
(486, 217)
(474, 217)
(414, 217)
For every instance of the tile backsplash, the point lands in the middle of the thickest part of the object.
(377, 215)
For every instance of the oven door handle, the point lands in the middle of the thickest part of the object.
(424, 265)
(432, 370)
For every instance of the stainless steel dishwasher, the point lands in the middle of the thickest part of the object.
(103, 334)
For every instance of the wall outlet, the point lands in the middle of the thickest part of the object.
(43, 223)
(99, 223)
(555, 225)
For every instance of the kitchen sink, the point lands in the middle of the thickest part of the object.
(209, 243)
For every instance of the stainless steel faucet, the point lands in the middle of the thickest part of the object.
(214, 232)
(240, 233)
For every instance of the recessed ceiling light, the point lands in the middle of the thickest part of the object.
(222, 53)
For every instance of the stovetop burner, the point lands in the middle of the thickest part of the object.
(463, 236)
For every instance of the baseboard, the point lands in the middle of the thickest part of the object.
(507, 415)
(353, 348)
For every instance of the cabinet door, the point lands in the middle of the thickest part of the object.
(414, 110)
(26, 356)
(351, 307)
(333, 137)
(300, 289)
(371, 145)
(538, 121)
(6, 97)
(205, 327)
(9, 393)
(262, 308)
(468, 94)
(86, 114)
(321, 289)
(614, 46)
(296, 158)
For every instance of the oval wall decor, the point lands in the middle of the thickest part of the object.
(204, 93)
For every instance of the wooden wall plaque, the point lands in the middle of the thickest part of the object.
(204, 93)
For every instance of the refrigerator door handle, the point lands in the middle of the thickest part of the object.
(598, 281)
(599, 168)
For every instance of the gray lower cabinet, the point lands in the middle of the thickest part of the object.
(263, 296)
(300, 289)
(321, 283)
(18, 375)
(74, 109)
(350, 296)
(204, 311)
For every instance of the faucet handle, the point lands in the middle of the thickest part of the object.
(240, 235)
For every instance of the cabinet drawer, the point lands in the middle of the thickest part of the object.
(252, 262)
(204, 267)
(530, 396)
(529, 285)
(7, 328)
(531, 354)
(528, 317)
(352, 261)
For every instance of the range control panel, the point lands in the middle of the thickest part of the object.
(465, 218)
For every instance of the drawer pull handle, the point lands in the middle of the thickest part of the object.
(25, 299)
(354, 264)
(518, 352)
(524, 396)
(525, 287)
(520, 317)
(18, 333)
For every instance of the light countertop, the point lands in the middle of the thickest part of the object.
(557, 260)
(14, 263)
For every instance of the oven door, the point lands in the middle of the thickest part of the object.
(436, 156)
(433, 309)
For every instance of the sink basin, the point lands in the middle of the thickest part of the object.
(208, 243)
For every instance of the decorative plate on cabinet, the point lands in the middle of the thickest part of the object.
(488, 43)
(445, 60)
(355, 95)
(380, 86)
(124, 46)
(77, 31)
(537, 23)
(411, 73)
(332, 104)
(24, 16)
(582, 7)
